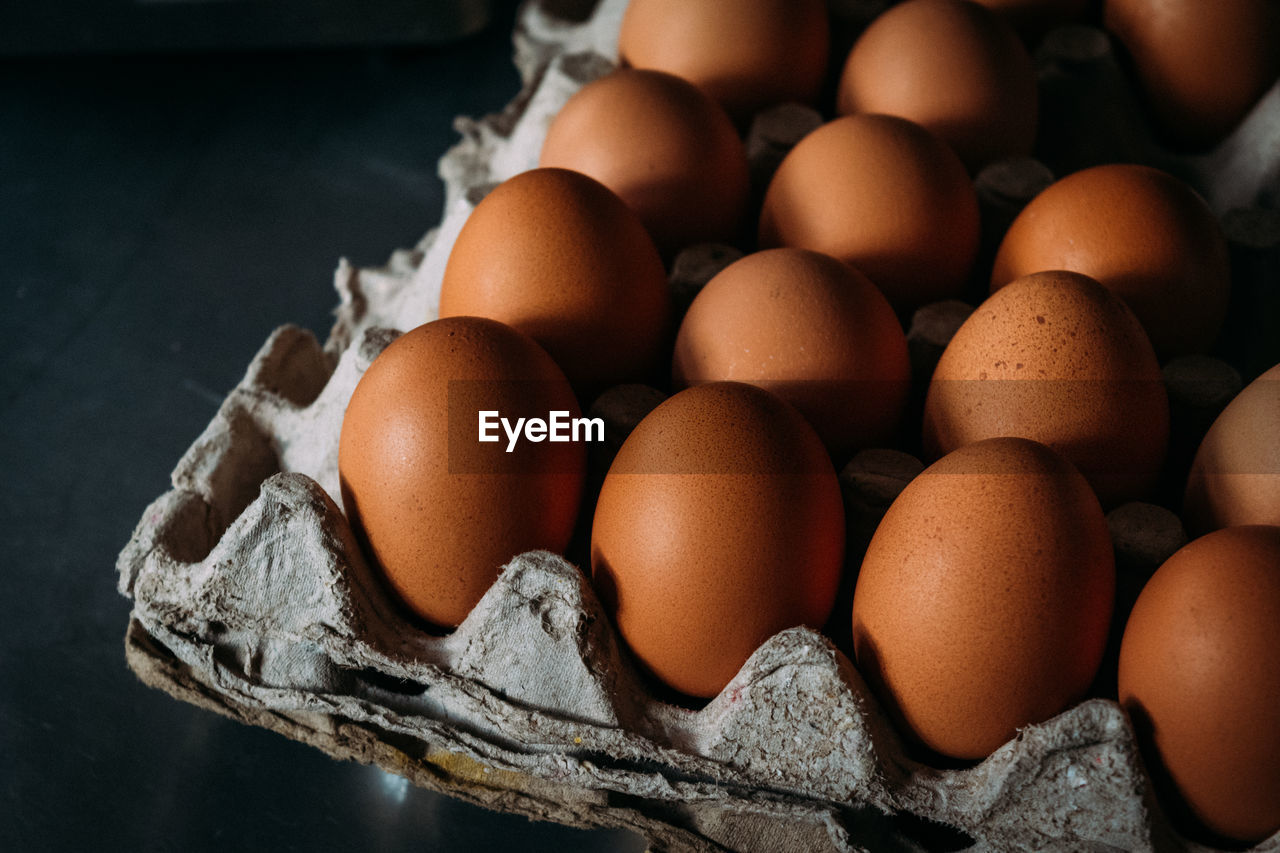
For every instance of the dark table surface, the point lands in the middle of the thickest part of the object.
(159, 216)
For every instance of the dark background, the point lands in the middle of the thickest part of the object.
(159, 216)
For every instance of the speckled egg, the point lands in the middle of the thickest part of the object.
(1235, 478)
(809, 328)
(1200, 678)
(720, 523)
(985, 597)
(558, 256)
(952, 66)
(668, 150)
(746, 55)
(1056, 357)
(436, 510)
(1144, 235)
(1202, 66)
(884, 195)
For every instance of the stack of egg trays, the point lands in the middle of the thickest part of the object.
(251, 598)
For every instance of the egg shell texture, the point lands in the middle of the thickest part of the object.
(668, 150)
(984, 599)
(1071, 783)
(953, 67)
(437, 511)
(556, 255)
(811, 329)
(1201, 66)
(719, 524)
(883, 195)
(1057, 358)
(746, 55)
(1144, 235)
(1235, 477)
(1200, 678)
(535, 665)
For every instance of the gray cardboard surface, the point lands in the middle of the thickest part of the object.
(250, 598)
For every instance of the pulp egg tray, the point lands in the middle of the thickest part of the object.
(251, 598)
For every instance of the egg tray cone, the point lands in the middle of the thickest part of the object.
(251, 598)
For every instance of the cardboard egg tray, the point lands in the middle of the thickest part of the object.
(251, 598)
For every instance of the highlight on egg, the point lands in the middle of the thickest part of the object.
(984, 599)
(1141, 233)
(1200, 678)
(664, 147)
(1201, 66)
(437, 511)
(809, 328)
(1056, 357)
(747, 55)
(885, 196)
(719, 524)
(951, 66)
(558, 256)
(1235, 477)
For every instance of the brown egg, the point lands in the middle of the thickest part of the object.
(1202, 66)
(810, 329)
(558, 256)
(1033, 18)
(720, 523)
(985, 597)
(746, 55)
(669, 151)
(884, 195)
(1056, 357)
(1200, 678)
(1235, 478)
(1144, 235)
(953, 67)
(438, 511)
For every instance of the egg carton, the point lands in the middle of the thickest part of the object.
(252, 599)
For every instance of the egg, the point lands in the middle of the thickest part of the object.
(811, 329)
(436, 510)
(1033, 18)
(953, 67)
(884, 195)
(747, 55)
(1200, 678)
(1235, 477)
(556, 255)
(984, 599)
(668, 150)
(1202, 66)
(719, 524)
(1056, 357)
(1144, 235)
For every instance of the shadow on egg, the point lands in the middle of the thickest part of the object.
(378, 575)
(867, 662)
(1170, 801)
